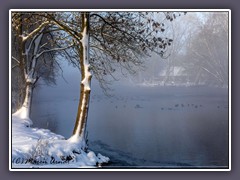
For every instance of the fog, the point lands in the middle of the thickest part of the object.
(159, 126)
(172, 114)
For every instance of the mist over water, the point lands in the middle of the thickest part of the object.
(142, 126)
(173, 112)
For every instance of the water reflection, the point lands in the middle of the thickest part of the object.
(171, 128)
(153, 127)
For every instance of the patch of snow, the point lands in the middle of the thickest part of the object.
(33, 147)
(75, 139)
(24, 38)
(22, 115)
(87, 73)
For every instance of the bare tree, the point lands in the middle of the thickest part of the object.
(208, 51)
(33, 54)
(96, 42)
(105, 41)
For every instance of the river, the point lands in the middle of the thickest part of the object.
(152, 127)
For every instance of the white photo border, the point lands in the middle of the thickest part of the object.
(122, 10)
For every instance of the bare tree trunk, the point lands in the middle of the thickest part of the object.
(27, 74)
(25, 109)
(21, 52)
(81, 120)
(23, 87)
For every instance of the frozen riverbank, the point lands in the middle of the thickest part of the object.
(40, 148)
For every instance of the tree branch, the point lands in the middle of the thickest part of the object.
(112, 25)
(15, 59)
(35, 31)
(55, 49)
(66, 28)
(16, 65)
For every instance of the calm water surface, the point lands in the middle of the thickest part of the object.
(163, 127)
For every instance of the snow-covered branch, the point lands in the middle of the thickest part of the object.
(15, 66)
(35, 31)
(43, 45)
(15, 59)
(33, 40)
(55, 49)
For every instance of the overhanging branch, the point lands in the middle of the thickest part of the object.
(55, 49)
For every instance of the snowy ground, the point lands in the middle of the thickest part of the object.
(40, 148)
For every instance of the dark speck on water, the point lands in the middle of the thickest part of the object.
(138, 106)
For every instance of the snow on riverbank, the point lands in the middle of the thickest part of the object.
(33, 147)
